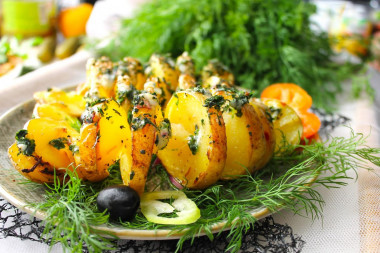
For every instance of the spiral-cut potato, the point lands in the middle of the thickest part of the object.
(206, 131)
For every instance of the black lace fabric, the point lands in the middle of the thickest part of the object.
(265, 236)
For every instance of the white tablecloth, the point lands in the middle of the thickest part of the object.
(351, 217)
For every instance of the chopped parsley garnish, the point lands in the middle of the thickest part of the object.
(122, 95)
(200, 90)
(275, 113)
(58, 143)
(130, 116)
(193, 141)
(74, 148)
(26, 146)
(92, 102)
(238, 102)
(215, 101)
(139, 122)
(131, 175)
(75, 123)
(117, 112)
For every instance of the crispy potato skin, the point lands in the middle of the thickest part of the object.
(47, 158)
(135, 162)
(186, 81)
(217, 149)
(75, 103)
(256, 137)
(135, 71)
(267, 125)
(142, 150)
(44, 130)
(186, 112)
(287, 124)
(85, 158)
(163, 70)
(31, 167)
(245, 142)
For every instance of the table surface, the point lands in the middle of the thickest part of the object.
(351, 216)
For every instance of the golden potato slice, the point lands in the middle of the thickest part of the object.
(74, 102)
(164, 68)
(113, 134)
(85, 155)
(217, 69)
(185, 64)
(100, 76)
(197, 151)
(135, 162)
(186, 81)
(246, 144)
(134, 69)
(124, 92)
(56, 111)
(52, 139)
(216, 82)
(31, 167)
(269, 134)
(156, 86)
(286, 122)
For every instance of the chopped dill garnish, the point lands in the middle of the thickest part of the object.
(25, 145)
(214, 101)
(59, 143)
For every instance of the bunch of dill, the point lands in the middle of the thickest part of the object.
(286, 182)
(261, 41)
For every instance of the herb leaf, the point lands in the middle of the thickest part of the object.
(283, 183)
(262, 42)
(59, 143)
(26, 146)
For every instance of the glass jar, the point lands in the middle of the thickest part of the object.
(27, 18)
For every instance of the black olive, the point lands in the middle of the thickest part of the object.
(120, 201)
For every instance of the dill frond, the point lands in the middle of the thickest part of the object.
(288, 181)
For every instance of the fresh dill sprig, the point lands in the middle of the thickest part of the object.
(262, 42)
(71, 215)
(288, 181)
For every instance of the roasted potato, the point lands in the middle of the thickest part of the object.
(217, 69)
(186, 81)
(197, 151)
(32, 167)
(133, 68)
(85, 155)
(43, 149)
(286, 123)
(156, 86)
(114, 133)
(124, 92)
(136, 158)
(246, 144)
(56, 111)
(75, 103)
(52, 141)
(270, 139)
(163, 67)
(100, 79)
(185, 64)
